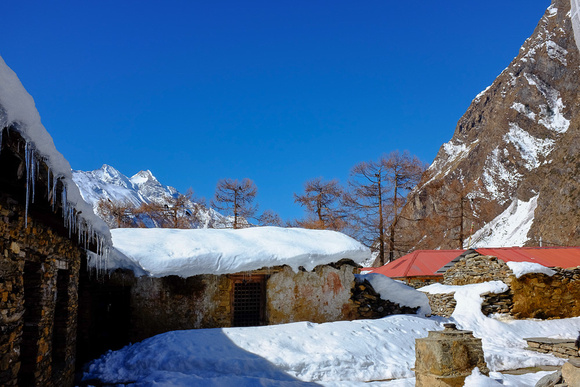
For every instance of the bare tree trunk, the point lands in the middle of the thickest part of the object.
(381, 222)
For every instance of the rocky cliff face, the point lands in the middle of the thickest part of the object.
(519, 142)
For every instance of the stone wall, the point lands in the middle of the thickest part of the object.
(533, 295)
(38, 286)
(369, 304)
(442, 304)
(538, 295)
(501, 303)
(475, 268)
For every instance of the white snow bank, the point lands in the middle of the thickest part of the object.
(503, 341)
(477, 379)
(399, 293)
(521, 268)
(354, 351)
(162, 252)
(17, 109)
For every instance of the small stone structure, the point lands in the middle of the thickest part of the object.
(558, 347)
(442, 304)
(533, 295)
(445, 358)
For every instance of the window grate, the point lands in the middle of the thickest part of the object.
(248, 301)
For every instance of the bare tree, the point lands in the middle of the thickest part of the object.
(179, 211)
(236, 198)
(403, 172)
(270, 218)
(459, 210)
(321, 199)
(377, 192)
(116, 214)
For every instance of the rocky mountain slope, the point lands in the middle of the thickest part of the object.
(143, 187)
(518, 145)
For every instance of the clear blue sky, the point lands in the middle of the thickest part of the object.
(279, 92)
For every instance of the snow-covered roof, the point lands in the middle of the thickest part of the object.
(161, 252)
(18, 111)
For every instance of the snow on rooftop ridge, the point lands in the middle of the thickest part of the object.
(521, 268)
(17, 110)
(510, 228)
(163, 252)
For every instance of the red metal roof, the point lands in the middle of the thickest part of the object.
(418, 263)
(547, 256)
(427, 262)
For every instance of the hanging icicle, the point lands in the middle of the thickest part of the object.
(54, 183)
(27, 152)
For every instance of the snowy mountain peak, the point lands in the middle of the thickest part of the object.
(111, 175)
(143, 177)
(108, 183)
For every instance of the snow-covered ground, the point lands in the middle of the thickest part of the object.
(161, 251)
(348, 353)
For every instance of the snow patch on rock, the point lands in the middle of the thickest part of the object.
(575, 17)
(520, 108)
(551, 113)
(510, 228)
(531, 149)
(496, 172)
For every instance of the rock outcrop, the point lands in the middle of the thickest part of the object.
(518, 142)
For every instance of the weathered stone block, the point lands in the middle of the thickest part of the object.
(550, 380)
(446, 358)
(571, 372)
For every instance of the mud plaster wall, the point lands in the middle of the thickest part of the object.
(171, 303)
(319, 296)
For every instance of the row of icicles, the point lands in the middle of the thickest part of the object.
(84, 230)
